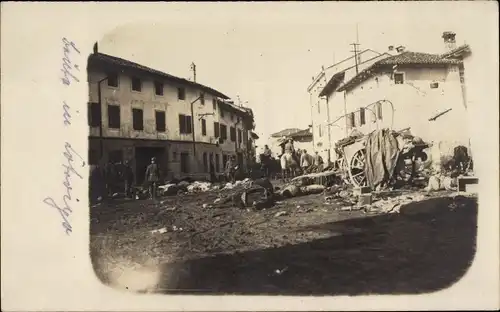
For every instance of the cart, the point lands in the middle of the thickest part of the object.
(352, 160)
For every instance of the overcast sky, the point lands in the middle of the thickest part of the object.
(268, 53)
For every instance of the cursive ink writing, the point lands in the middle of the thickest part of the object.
(68, 66)
(65, 209)
(66, 114)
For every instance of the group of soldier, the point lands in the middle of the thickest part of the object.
(105, 180)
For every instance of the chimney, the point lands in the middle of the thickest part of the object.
(193, 70)
(390, 48)
(96, 48)
(400, 49)
(449, 40)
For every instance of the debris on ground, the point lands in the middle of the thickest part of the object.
(159, 231)
(281, 213)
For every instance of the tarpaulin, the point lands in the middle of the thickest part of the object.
(382, 152)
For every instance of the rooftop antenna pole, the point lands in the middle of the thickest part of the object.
(355, 50)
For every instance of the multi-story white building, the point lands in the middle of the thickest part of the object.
(399, 90)
(322, 113)
(136, 113)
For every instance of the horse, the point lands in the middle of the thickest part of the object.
(269, 166)
(289, 165)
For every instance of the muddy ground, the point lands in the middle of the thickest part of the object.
(314, 248)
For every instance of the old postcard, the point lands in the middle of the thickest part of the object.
(250, 156)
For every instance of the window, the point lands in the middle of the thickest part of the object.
(351, 122)
(362, 119)
(203, 127)
(214, 103)
(223, 132)
(115, 156)
(398, 78)
(138, 119)
(221, 112)
(240, 135)
(232, 134)
(184, 162)
(217, 163)
(158, 88)
(202, 98)
(379, 111)
(232, 116)
(94, 114)
(216, 129)
(114, 116)
(435, 85)
(160, 121)
(181, 93)
(136, 84)
(112, 80)
(205, 162)
(185, 124)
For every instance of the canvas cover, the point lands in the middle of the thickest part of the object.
(382, 152)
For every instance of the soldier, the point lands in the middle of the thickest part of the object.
(152, 177)
(128, 178)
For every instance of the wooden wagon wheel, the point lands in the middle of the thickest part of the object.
(357, 169)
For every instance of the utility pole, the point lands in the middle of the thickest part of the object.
(355, 49)
(193, 69)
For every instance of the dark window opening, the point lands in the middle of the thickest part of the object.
(158, 88)
(216, 129)
(205, 162)
(138, 119)
(223, 132)
(232, 134)
(136, 84)
(184, 162)
(94, 114)
(434, 85)
(214, 103)
(181, 93)
(362, 116)
(221, 112)
(351, 122)
(114, 116)
(202, 98)
(185, 124)
(203, 127)
(398, 78)
(160, 121)
(112, 80)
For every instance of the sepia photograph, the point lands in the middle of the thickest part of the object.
(258, 156)
(225, 166)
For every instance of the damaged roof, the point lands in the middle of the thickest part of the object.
(99, 59)
(301, 133)
(405, 58)
(416, 58)
(458, 52)
(285, 132)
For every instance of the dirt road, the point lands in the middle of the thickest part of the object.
(301, 246)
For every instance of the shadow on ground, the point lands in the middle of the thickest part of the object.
(428, 246)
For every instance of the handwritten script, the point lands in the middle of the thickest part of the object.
(72, 157)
